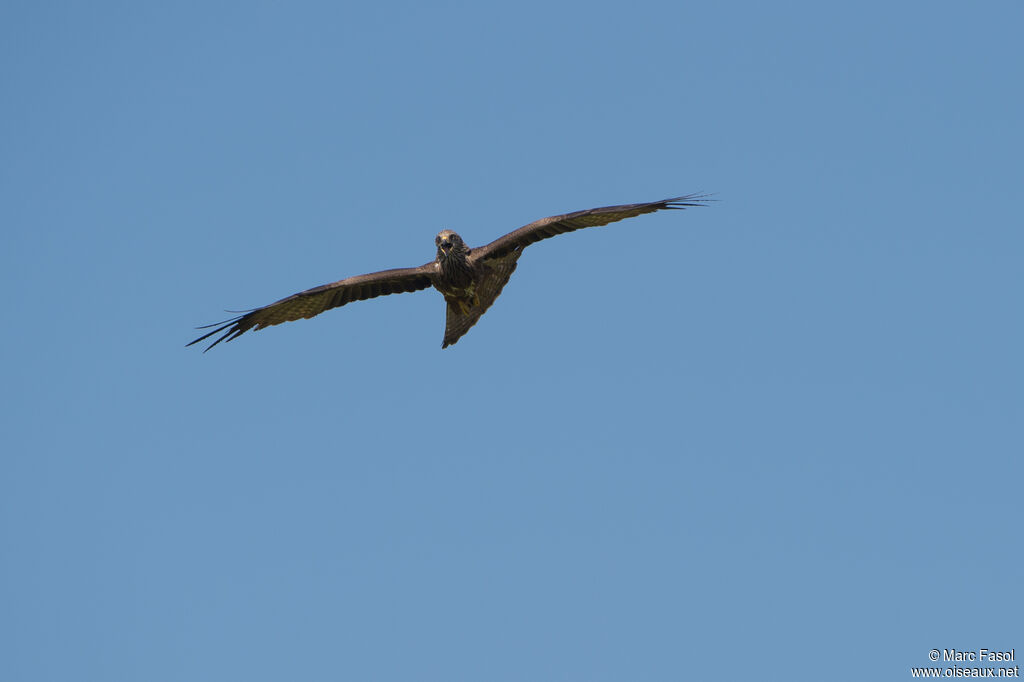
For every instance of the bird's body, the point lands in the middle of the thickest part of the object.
(455, 276)
(469, 279)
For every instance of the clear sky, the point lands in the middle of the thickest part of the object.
(776, 438)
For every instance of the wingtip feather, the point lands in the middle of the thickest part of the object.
(232, 331)
(688, 201)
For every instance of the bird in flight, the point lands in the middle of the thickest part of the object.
(470, 279)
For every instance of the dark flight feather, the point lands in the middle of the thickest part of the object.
(593, 217)
(312, 302)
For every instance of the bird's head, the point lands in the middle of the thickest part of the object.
(449, 244)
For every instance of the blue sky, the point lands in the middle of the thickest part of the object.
(775, 438)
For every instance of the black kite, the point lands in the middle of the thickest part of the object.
(469, 279)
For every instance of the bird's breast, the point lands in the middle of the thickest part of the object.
(455, 277)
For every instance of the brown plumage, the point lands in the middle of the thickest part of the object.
(469, 279)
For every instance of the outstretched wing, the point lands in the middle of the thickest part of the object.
(549, 227)
(311, 302)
